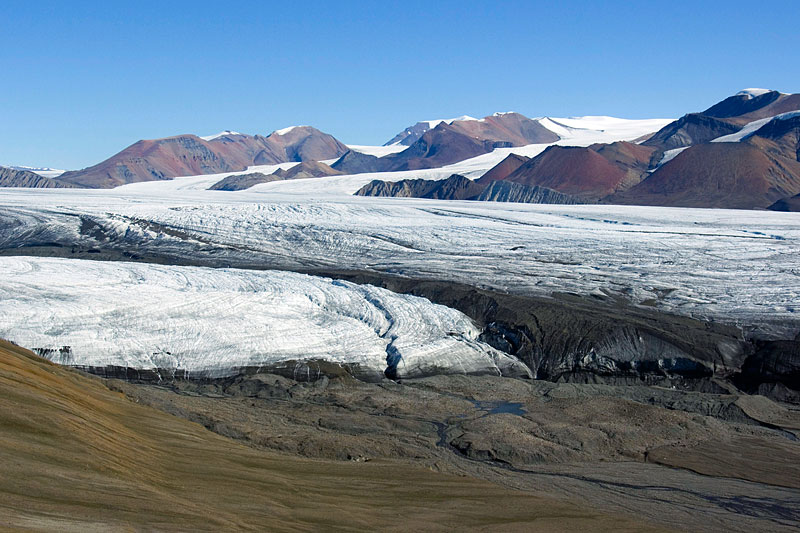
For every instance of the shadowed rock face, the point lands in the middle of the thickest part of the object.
(694, 128)
(353, 162)
(456, 187)
(243, 181)
(10, 177)
(742, 104)
(787, 204)
(506, 191)
(187, 155)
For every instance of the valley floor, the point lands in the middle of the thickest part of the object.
(77, 456)
(601, 300)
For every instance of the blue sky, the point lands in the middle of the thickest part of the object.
(82, 80)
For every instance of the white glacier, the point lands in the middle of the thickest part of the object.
(734, 266)
(208, 321)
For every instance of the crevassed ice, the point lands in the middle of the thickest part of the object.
(213, 321)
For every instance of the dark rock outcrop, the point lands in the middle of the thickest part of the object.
(307, 169)
(507, 191)
(691, 129)
(243, 181)
(353, 162)
(456, 187)
(773, 370)
(741, 104)
(787, 204)
(10, 177)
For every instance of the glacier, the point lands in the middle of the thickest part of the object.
(731, 266)
(210, 322)
(220, 278)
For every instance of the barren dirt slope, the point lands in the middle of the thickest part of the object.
(75, 456)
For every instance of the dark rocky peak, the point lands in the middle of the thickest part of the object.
(353, 162)
(690, 129)
(742, 103)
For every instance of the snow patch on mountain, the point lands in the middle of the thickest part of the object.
(284, 131)
(668, 156)
(752, 127)
(377, 151)
(220, 134)
(752, 92)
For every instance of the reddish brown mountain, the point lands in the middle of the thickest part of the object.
(513, 128)
(754, 173)
(504, 168)
(450, 143)
(577, 171)
(723, 118)
(440, 146)
(633, 159)
(304, 143)
(188, 155)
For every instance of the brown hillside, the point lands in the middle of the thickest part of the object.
(187, 155)
(75, 456)
(503, 169)
(579, 172)
(727, 175)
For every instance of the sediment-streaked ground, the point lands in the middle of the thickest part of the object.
(689, 461)
(75, 456)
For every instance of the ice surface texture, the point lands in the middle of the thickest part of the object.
(212, 321)
(735, 266)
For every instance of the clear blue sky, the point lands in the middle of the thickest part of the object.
(82, 80)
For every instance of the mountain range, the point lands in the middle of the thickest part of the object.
(743, 152)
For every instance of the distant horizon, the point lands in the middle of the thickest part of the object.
(400, 129)
(90, 80)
